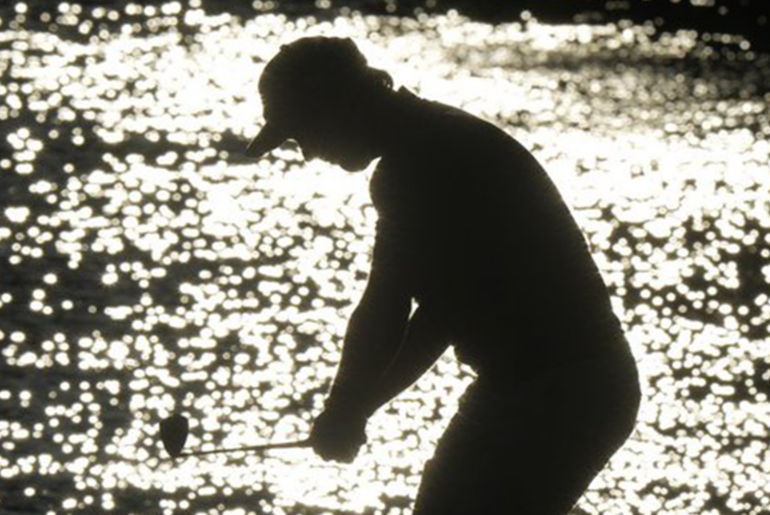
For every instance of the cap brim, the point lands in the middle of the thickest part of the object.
(268, 139)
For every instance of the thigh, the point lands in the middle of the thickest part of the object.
(533, 449)
(466, 470)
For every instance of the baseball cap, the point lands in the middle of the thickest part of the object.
(268, 139)
(305, 80)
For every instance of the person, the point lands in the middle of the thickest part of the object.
(472, 232)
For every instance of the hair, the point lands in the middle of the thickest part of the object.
(316, 77)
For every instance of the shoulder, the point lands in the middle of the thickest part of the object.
(450, 132)
(446, 144)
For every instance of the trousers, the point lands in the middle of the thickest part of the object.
(532, 448)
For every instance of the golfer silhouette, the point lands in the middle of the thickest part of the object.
(473, 232)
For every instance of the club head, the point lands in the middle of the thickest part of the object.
(173, 434)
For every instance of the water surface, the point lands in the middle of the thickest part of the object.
(147, 267)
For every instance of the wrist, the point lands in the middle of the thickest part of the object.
(351, 408)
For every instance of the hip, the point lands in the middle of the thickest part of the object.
(522, 355)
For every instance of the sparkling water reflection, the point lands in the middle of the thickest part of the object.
(148, 267)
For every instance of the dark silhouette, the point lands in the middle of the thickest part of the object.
(471, 229)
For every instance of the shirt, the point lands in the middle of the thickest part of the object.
(473, 228)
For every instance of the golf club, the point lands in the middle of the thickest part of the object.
(174, 431)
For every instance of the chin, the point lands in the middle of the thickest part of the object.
(355, 165)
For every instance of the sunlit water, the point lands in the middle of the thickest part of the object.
(147, 267)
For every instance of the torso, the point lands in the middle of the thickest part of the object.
(490, 244)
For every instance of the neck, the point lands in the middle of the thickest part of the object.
(389, 120)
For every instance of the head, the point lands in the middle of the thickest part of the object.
(321, 93)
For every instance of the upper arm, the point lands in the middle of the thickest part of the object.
(390, 279)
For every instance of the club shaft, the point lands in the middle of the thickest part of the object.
(251, 448)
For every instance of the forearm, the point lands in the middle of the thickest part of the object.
(375, 333)
(423, 345)
(392, 372)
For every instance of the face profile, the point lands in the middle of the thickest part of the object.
(337, 145)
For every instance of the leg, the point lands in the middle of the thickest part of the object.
(532, 450)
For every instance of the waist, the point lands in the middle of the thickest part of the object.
(521, 358)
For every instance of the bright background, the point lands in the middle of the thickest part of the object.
(146, 266)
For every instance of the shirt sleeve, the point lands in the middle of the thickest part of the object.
(391, 260)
